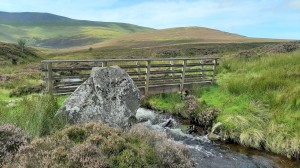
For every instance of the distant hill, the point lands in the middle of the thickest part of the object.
(53, 31)
(179, 36)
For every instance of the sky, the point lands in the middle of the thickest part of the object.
(252, 18)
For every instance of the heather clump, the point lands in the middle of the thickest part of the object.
(98, 145)
(11, 139)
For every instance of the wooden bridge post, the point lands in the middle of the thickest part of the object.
(202, 69)
(49, 78)
(147, 77)
(104, 64)
(183, 75)
(214, 70)
(138, 64)
(171, 68)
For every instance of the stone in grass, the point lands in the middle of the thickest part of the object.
(108, 96)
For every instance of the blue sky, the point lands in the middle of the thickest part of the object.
(253, 18)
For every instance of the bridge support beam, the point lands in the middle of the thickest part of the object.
(147, 77)
(183, 75)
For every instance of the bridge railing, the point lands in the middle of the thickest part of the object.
(150, 75)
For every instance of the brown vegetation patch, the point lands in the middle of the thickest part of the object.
(97, 145)
(11, 139)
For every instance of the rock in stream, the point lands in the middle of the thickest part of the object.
(108, 96)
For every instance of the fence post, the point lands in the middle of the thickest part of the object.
(104, 64)
(214, 70)
(183, 75)
(49, 78)
(171, 68)
(202, 69)
(138, 64)
(147, 77)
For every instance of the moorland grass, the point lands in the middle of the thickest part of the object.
(35, 114)
(264, 92)
(259, 99)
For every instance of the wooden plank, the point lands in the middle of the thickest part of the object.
(128, 60)
(167, 84)
(71, 69)
(183, 75)
(61, 90)
(138, 65)
(165, 72)
(199, 70)
(147, 77)
(178, 82)
(202, 68)
(165, 65)
(83, 76)
(214, 70)
(67, 85)
(200, 64)
(136, 73)
(49, 78)
(165, 78)
(199, 76)
(104, 63)
(171, 67)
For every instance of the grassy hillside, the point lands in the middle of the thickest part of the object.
(52, 31)
(179, 36)
(259, 96)
(9, 52)
(185, 41)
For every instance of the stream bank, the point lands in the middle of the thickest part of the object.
(207, 153)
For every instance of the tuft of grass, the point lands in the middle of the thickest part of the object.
(35, 114)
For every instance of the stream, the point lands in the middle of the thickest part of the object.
(209, 154)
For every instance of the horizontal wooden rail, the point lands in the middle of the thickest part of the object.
(150, 75)
(128, 60)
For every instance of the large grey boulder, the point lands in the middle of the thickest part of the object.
(108, 96)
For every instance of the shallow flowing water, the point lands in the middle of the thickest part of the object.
(208, 154)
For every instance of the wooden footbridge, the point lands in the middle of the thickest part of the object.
(152, 76)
